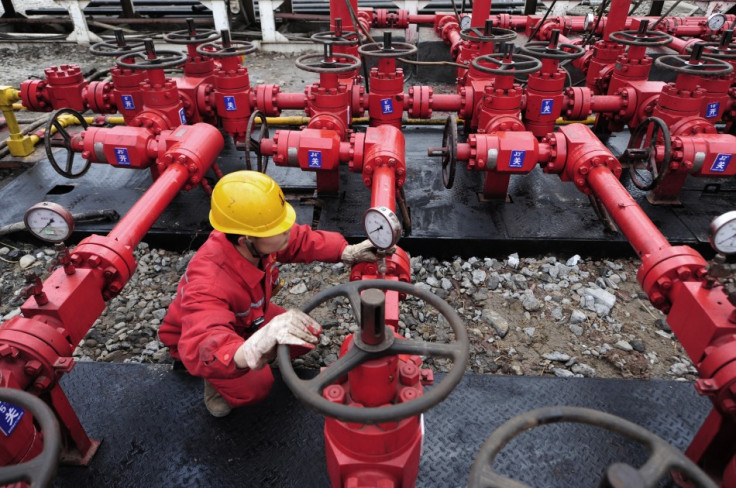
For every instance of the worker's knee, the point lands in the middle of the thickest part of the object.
(253, 387)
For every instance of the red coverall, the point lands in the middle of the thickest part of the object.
(219, 302)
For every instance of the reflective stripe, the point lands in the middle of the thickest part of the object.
(243, 314)
(252, 305)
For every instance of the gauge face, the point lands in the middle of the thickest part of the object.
(382, 227)
(716, 21)
(465, 22)
(49, 222)
(722, 233)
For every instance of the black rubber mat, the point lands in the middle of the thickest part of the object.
(541, 206)
(157, 433)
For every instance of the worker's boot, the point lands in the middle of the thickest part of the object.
(214, 402)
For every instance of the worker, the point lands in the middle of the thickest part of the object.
(222, 325)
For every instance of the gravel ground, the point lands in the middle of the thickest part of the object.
(528, 315)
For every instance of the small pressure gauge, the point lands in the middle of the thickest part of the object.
(588, 22)
(49, 222)
(722, 233)
(382, 227)
(465, 21)
(716, 21)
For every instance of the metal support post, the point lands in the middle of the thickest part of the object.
(268, 24)
(219, 13)
(81, 34)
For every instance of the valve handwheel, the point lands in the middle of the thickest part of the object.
(641, 37)
(507, 64)
(551, 49)
(695, 63)
(723, 49)
(40, 470)
(448, 151)
(190, 35)
(662, 459)
(387, 48)
(327, 62)
(151, 59)
(226, 48)
(338, 37)
(254, 143)
(642, 149)
(310, 391)
(118, 47)
(496, 34)
(65, 142)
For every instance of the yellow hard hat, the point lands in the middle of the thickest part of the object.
(250, 203)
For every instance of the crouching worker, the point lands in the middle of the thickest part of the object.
(221, 325)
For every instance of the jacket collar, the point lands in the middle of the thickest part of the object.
(226, 255)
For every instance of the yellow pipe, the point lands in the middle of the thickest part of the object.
(68, 119)
(19, 106)
(19, 144)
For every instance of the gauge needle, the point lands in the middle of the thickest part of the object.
(727, 238)
(376, 229)
(51, 221)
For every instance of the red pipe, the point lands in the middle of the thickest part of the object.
(135, 224)
(446, 103)
(421, 19)
(641, 233)
(383, 192)
(481, 12)
(616, 17)
(291, 101)
(606, 103)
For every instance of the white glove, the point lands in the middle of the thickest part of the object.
(293, 327)
(357, 253)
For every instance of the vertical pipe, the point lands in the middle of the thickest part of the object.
(481, 12)
(641, 233)
(383, 191)
(616, 17)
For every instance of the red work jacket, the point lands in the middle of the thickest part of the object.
(222, 298)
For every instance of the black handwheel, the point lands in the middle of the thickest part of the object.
(40, 470)
(694, 64)
(642, 36)
(310, 391)
(551, 49)
(190, 35)
(494, 34)
(662, 459)
(328, 63)
(387, 48)
(253, 143)
(65, 142)
(118, 47)
(723, 49)
(642, 149)
(448, 151)
(338, 37)
(226, 48)
(508, 64)
(151, 59)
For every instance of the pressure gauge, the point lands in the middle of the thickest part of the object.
(382, 227)
(722, 233)
(49, 222)
(588, 22)
(716, 21)
(465, 21)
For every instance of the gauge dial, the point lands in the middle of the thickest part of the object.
(465, 22)
(716, 21)
(722, 233)
(49, 222)
(382, 227)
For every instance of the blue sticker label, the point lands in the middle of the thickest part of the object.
(128, 102)
(121, 155)
(517, 159)
(230, 104)
(182, 116)
(547, 105)
(10, 416)
(721, 163)
(712, 110)
(387, 106)
(315, 159)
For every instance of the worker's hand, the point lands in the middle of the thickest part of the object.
(293, 327)
(358, 253)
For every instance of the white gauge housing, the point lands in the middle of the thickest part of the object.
(465, 21)
(382, 227)
(722, 233)
(588, 22)
(49, 222)
(716, 21)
